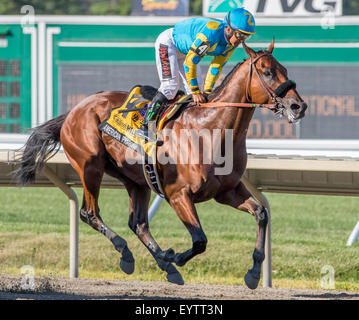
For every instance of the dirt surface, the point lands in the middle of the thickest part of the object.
(45, 288)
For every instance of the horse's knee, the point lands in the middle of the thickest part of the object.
(141, 229)
(261, 216)
(138, 228)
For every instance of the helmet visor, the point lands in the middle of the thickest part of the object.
(242, 36)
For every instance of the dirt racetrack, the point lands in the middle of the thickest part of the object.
(45, 288)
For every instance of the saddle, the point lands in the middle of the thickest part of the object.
(171, 110)
(124, 124)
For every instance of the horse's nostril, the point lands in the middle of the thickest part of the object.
(295, 107)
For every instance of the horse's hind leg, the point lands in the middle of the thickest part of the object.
(138, 223)
(91, 173)
(241, 199)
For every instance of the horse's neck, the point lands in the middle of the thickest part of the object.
(235, 91)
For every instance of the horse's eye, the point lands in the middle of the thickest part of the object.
(266, 73)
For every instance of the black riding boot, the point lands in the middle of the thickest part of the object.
(158, 101)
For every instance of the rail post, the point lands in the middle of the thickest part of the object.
(74, 219)
(154, 207)
(354, 235)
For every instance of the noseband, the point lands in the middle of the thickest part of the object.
(276, 94)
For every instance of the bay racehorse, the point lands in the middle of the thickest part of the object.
(260, 79)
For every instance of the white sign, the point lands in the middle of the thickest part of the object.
(274, 8)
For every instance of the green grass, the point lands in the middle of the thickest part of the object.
(308, 232)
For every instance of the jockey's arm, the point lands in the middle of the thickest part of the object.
(215, 70)
(194, 56)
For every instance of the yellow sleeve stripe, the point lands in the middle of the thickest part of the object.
(215, 70)
(192, 59)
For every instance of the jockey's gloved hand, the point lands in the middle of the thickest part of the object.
(199, 98)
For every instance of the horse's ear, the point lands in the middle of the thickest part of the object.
(249, 51)
(271, 47)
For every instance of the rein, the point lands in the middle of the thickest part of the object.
(238, 105)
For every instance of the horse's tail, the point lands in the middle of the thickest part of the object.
(39, 148)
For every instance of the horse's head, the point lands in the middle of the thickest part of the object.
(268, 82)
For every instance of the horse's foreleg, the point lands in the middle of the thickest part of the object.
(241, 199)
(138, 223)
(187, 213)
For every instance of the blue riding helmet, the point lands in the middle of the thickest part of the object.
(242, 20)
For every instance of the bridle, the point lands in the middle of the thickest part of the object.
(275, 95)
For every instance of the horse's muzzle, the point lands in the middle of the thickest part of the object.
(298, 110)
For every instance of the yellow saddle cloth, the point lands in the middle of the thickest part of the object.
(124, 124)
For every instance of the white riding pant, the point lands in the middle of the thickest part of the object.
(169, 61)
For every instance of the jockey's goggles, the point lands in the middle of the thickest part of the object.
(241, 36)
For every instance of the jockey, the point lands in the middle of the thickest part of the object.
(181, 48)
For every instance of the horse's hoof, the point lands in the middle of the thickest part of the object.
(127, 263)
(174, 276)
(251, 281)
(127, 266)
